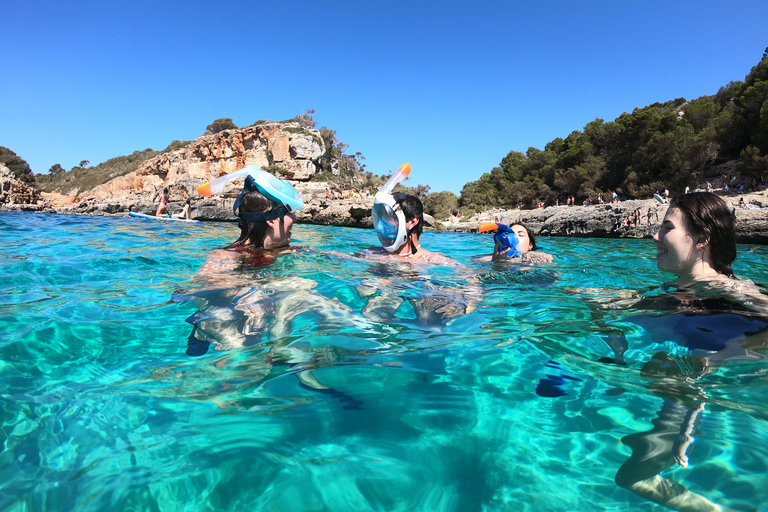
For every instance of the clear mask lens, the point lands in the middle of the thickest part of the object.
(386, 223)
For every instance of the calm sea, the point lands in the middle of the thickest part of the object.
(344, 384)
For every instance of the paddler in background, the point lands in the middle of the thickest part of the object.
(162, 208)
(184, 213)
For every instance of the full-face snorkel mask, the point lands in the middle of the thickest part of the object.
(276, 190)
(387, 215)
(505, 237)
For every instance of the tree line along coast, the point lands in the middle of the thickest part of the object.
(712, 142)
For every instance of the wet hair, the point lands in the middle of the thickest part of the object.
(412, 207)
(707, 216)
(531, 237)
(254, 231)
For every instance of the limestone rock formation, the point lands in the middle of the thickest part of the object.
(293, 152)
(289, 149)
(15, 195)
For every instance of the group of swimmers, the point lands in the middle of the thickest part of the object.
(695, 242)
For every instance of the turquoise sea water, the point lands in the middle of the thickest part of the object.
(327, 407)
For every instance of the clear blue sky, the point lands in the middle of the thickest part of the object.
(450, 87)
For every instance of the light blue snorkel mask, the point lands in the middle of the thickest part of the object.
(278, 191)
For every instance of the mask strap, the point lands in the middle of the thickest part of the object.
(398, 198)
(280, 211)
(248, 186)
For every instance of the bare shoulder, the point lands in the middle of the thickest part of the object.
(374, 252)
(438, 259)
(537, 257)
(220, 259)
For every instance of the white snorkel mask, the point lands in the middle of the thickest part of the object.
(387, 216)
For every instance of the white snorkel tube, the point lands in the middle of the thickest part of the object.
(387, 216)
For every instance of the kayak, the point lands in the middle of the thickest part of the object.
(154, 217)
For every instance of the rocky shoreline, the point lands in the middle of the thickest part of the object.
(605, 220)
(296, 152)
(595, 221)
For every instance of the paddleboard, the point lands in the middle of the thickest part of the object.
(154, 217)
(659, 198)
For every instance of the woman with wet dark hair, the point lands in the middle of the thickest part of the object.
(697, 239)
(707, 311)
(257, 231)
(529, 250)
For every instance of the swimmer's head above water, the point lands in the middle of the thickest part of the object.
(397, 218)
(265, 207)
(697, 238)
(512, 241)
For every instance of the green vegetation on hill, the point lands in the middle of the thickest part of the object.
(17, 165)
(84, 179)
(664, 145)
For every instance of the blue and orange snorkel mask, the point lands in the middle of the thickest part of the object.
(505, 237)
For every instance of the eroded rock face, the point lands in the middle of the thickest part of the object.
(294, 150)
(15, 195)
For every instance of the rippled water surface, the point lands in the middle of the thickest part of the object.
(480, 391)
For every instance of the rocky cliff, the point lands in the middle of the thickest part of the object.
(290, 151)
(294, 153)
(15, 195)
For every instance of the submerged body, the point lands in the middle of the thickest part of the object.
(707, 311)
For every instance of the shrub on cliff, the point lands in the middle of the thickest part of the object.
(17, 165)
(219, 125)
(176, 144)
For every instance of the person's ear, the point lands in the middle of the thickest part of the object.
(412, 223)
(273, 223)
(702, 243)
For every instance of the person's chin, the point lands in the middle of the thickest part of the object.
(279, 245)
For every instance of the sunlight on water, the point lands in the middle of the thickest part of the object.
(357, 386)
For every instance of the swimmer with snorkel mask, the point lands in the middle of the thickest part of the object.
(513, 243)
(399, 221)
(266, 209)
(241, 309)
